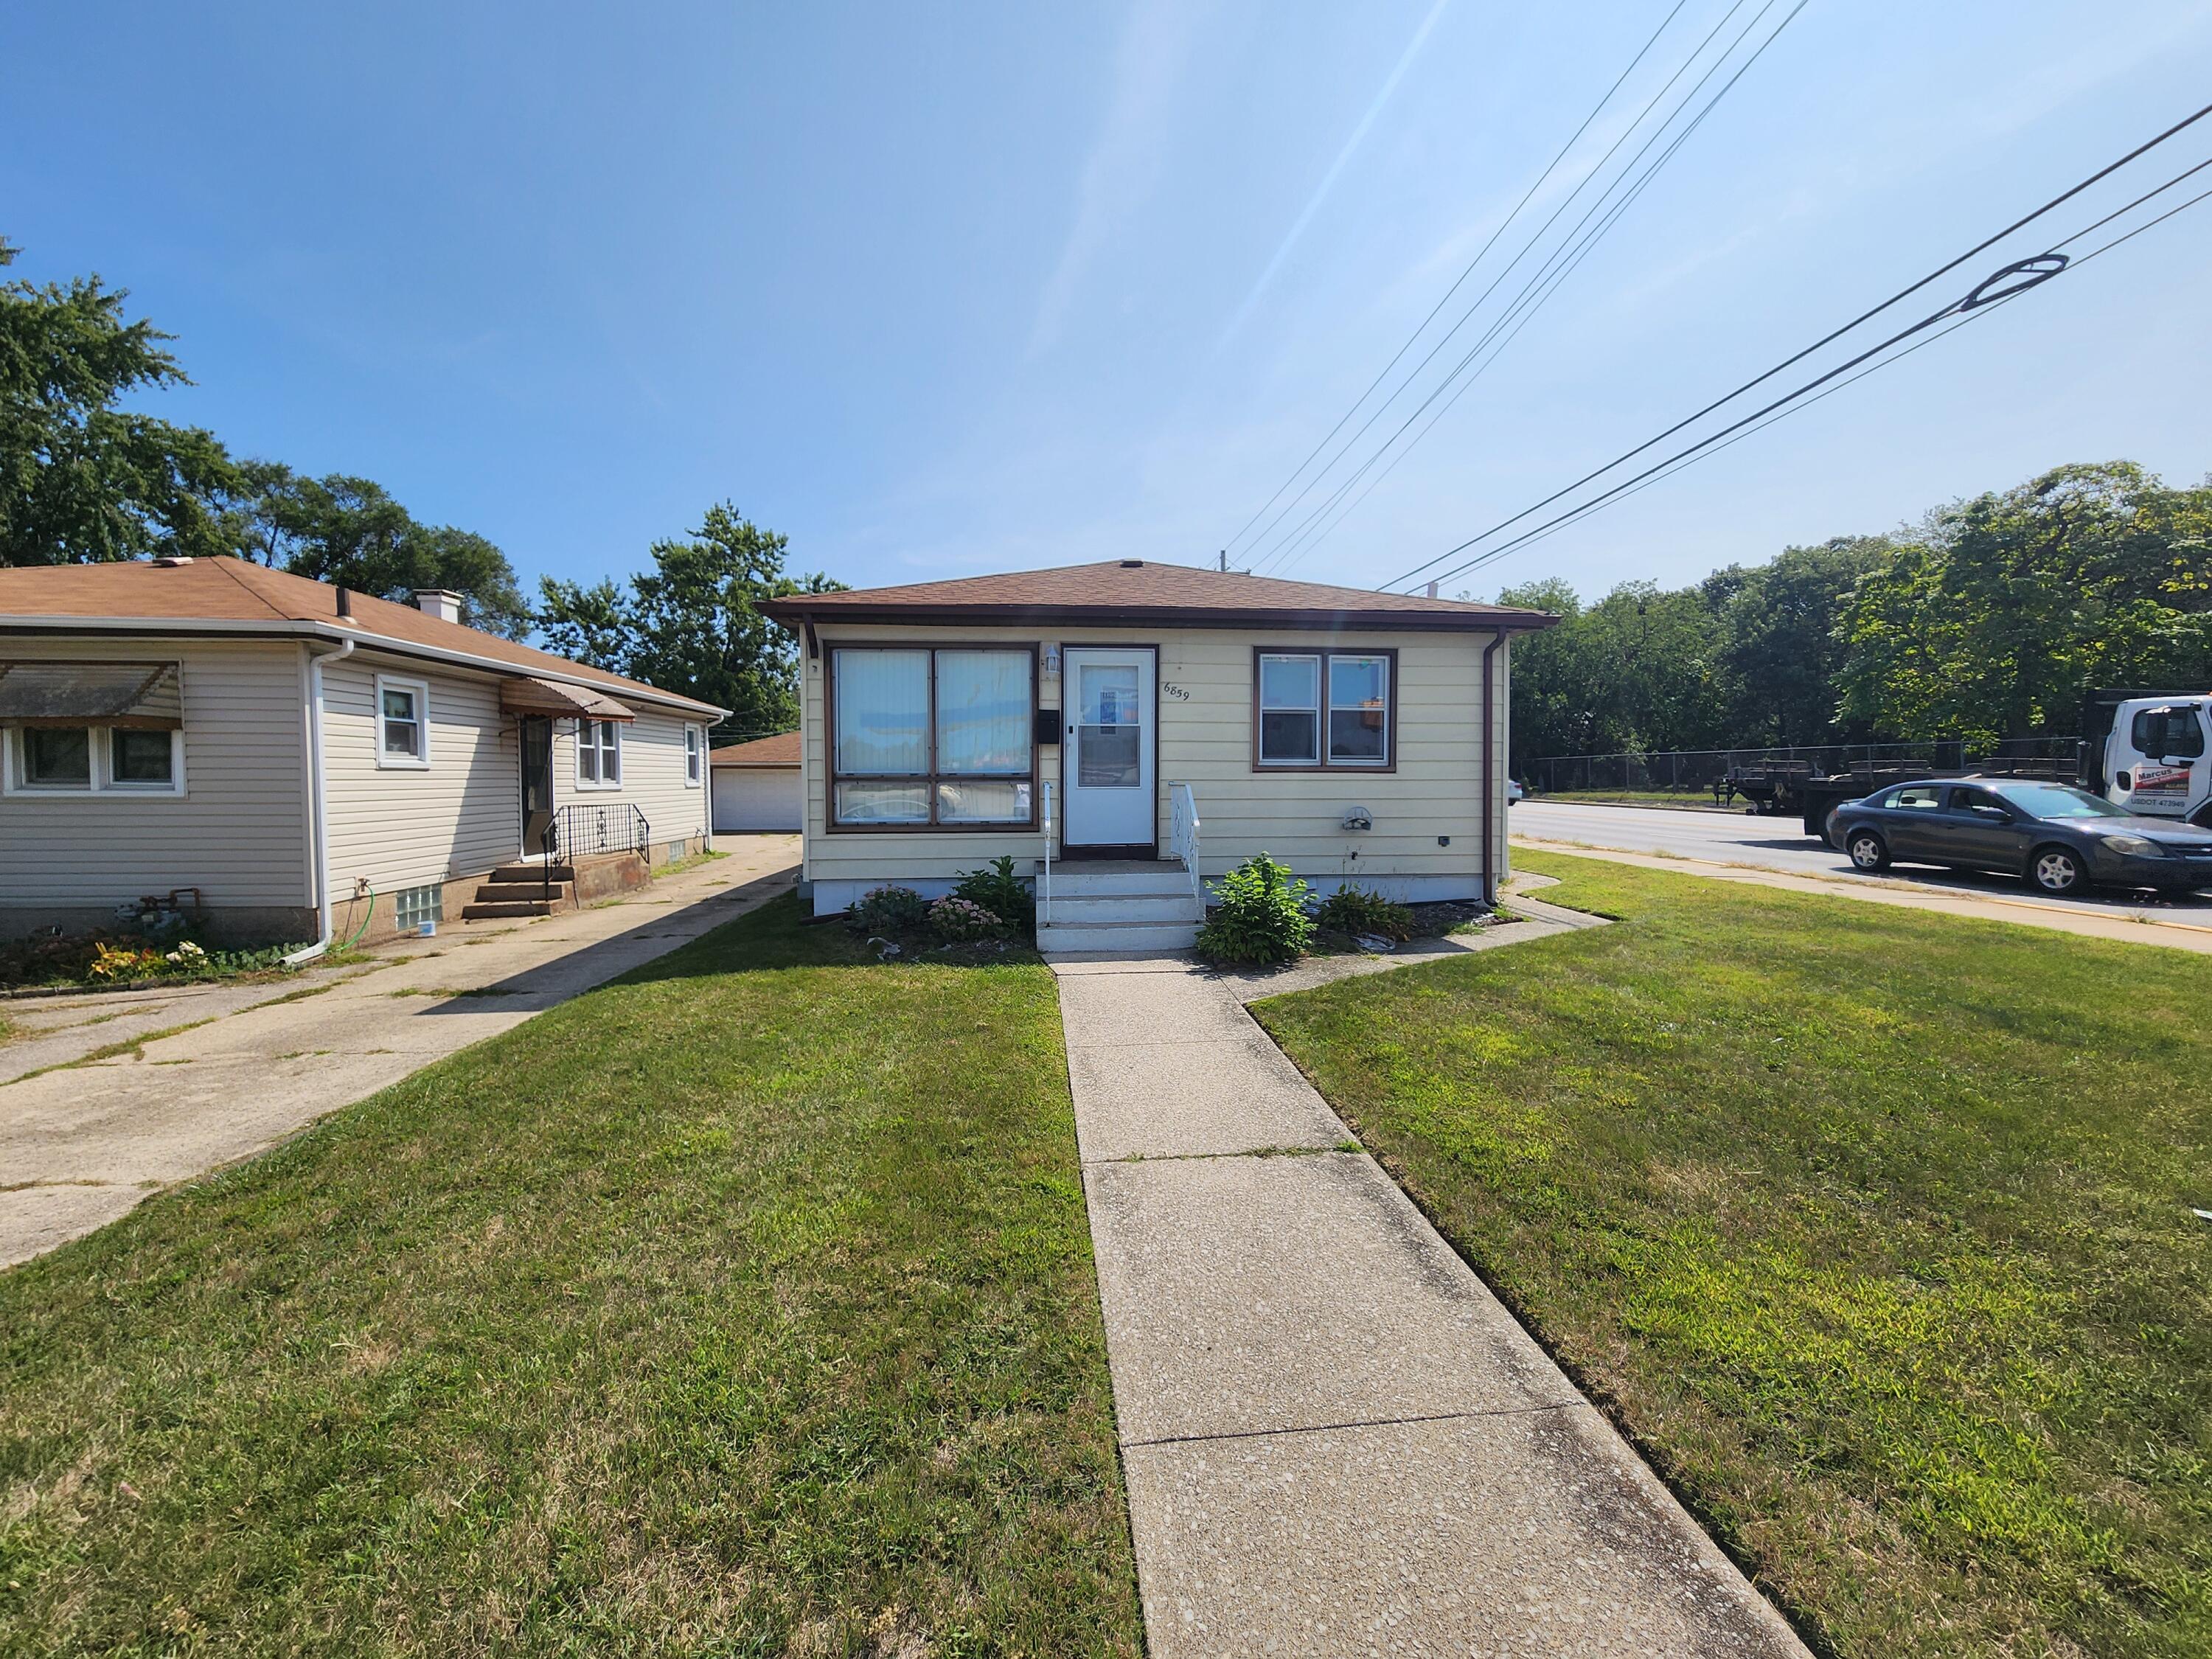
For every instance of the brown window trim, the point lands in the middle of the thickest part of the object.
(1324, 764)
(832, 777)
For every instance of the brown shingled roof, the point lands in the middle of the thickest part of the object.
(1147, 590)
(781, 750)
(227, 590)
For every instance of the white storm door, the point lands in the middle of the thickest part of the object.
(1107, 752)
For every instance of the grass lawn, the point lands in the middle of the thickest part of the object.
(1873, 1229)
(744, 1306)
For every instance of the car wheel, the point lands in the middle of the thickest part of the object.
(2057, 870)
(1866, 850)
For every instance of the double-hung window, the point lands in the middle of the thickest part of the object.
(598, 755)
(932, 736)
(694, 742)
(1324, 708)
(403, 723)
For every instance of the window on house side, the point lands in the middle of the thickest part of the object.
(692, 744)
(57, 758)
(925, 735)
(598, 755)
(141, 760)
(1323, 708)
(403, 721)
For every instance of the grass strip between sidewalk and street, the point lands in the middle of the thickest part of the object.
(743, 1306)
(1873, 1229)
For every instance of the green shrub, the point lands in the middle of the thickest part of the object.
(888, 910)
(1259, 915)
(955, 919)
(1356, 910)
(997, 889)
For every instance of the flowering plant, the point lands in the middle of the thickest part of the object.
(963, 919)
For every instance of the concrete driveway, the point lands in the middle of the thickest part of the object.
(208, 1075)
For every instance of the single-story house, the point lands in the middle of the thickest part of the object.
(1125, 729)
(756, 786)
(288, 760)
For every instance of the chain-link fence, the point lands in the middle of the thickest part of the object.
(1718, 773)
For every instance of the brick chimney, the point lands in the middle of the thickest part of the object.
(440, 602)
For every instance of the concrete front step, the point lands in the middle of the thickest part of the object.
(1069, 909)
(1059, 936)
(521, 892)
(493, 910)
(538, 872)
(1074, 881)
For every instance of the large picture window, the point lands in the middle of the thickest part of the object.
(1312, 709)
(925, 735)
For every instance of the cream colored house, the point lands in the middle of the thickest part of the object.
(289, 761)
(1125, 730)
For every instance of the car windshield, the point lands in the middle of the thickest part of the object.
(2059, 800)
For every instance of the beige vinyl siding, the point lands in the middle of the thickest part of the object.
(399, 827)
(652, 776)
(1205, 741)
(239, 833)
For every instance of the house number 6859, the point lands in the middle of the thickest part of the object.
(1170, 688)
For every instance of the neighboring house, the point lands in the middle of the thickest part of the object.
(1155, 714)
(756, 786)
(271, 753)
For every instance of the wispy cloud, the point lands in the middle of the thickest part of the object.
(1128, 156)
(1329, 180)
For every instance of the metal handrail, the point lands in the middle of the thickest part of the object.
(583, 829)
(1182, 839)
(1046, 917)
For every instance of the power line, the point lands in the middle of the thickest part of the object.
(1986, 296)
(1282, 547)
(1798, 357)
(1595, 109)
(1548, 279)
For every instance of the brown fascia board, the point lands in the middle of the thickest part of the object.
(795, 616)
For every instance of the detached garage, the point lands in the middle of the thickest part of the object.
(756, 786)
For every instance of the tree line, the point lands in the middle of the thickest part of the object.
(1988, 619)
(85, 476)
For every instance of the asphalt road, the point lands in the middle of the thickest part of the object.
(1781, 844)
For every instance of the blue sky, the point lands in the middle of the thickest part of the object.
(942, 290)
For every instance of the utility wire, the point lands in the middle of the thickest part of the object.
(1798, 357)
(1550, 278)
(1595, 109)
(1537, 236)
(1283, 549)
(2032, 272)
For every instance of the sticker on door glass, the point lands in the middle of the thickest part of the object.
(1108, 695)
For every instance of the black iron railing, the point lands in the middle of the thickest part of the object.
(584, 830)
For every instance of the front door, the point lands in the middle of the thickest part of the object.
(537, 737)
(1107, 756)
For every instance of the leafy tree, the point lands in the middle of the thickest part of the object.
(79, 478)
(1996, 618)
(692, 624)
(350, 531)
(1776, 657)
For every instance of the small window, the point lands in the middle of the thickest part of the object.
(2164, 732)
(403, 723)
(694, 742)
(58, 757)
(598, 755)
(142, 760)
(1324, 708)
(1920, 798)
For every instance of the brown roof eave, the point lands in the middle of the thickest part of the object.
(1409, 621)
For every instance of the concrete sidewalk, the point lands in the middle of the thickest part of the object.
(1336, 1440)
(84, 1143)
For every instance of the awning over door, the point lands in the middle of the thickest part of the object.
(535, 696)
(148, 696)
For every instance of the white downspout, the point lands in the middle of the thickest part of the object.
(322, 824)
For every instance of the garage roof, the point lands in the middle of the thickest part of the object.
(781, 750)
